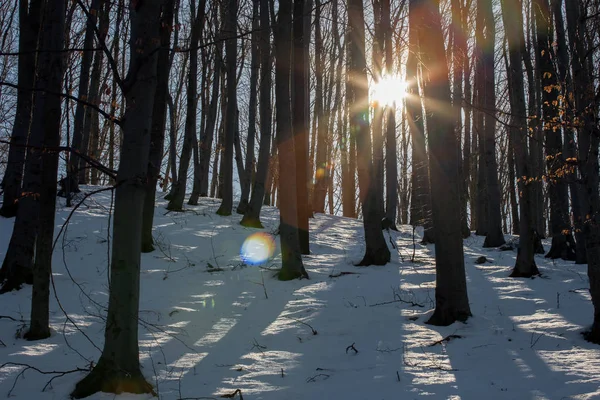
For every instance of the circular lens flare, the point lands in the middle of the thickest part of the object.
(258, 248)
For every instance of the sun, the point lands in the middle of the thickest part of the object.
(389, 90)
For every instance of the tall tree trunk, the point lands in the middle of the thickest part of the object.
(391, 156)
(588, 135)
(252, 215)
(321, 169)
(47, 117)
(513, 21)
(378, 110)
(348, 149)
(300, 117)
(207, 136)
(460, 55)
(514, 206)
(480, 203)
(452, 302)
(91, 124)
(178, 194)
(254, 67)
(562, 239)
(468, 193)
(376, 252)
(159, 119)
(291, 259)
(80, 136)
(118, 368)
(230, 28)
(29, 26)
(569, 150)
(494, 236)
(420, 193)
(113, 103)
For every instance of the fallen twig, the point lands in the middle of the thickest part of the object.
(314, 331)
(412, 303)
(28, 367)
(314, 378)
(343, 273)
(232, 395)
(351, 347)
(446, 339)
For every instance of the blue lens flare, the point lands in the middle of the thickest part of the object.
(258, 248)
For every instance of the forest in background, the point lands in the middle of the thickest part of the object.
(493, 129)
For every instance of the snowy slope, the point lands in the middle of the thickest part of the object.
(207, 328)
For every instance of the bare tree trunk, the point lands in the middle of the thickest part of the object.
(468, 193)
(207, 136)
(588, 136)
(47, 117)
(254, 67)
(376, 252)
(420, 193)
(252, 215)
(480, 203)
(513, 21)
(452, 303)
(291, 259)
(29, 26)
(113, 103)
(300, 116)
(91, 124)
(159, 119)
(391, 156)
(176, 202)
(80, 136)
(230, 28)
(348, 149)
(460, 54)
(569, 150)
(118, 368)
(562, 239)
(494, 236)
(321, 169)
(378, 111)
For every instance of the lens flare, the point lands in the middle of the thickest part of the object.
(257, 248)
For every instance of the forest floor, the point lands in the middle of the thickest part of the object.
(211, 324)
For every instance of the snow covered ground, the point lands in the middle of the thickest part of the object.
(210, 325)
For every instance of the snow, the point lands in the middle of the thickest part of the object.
(207, 327)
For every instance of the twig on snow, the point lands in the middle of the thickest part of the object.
(351, 347)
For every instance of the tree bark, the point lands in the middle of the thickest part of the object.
(494, 236)
(300, 116)
(230, 112)
(159, 119)
(207, 136)
(420, 193)
(118, 369)
(291, 259)
(452, 302)
(47, 117)
(321, 169)
(178, 193)
(79, 134)
(391, 156)
(376, 252)
(588, 135)
(513, 21)
(252, 216)
(569, 150)
(29, 26)
(246, 180)
(562, 239)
